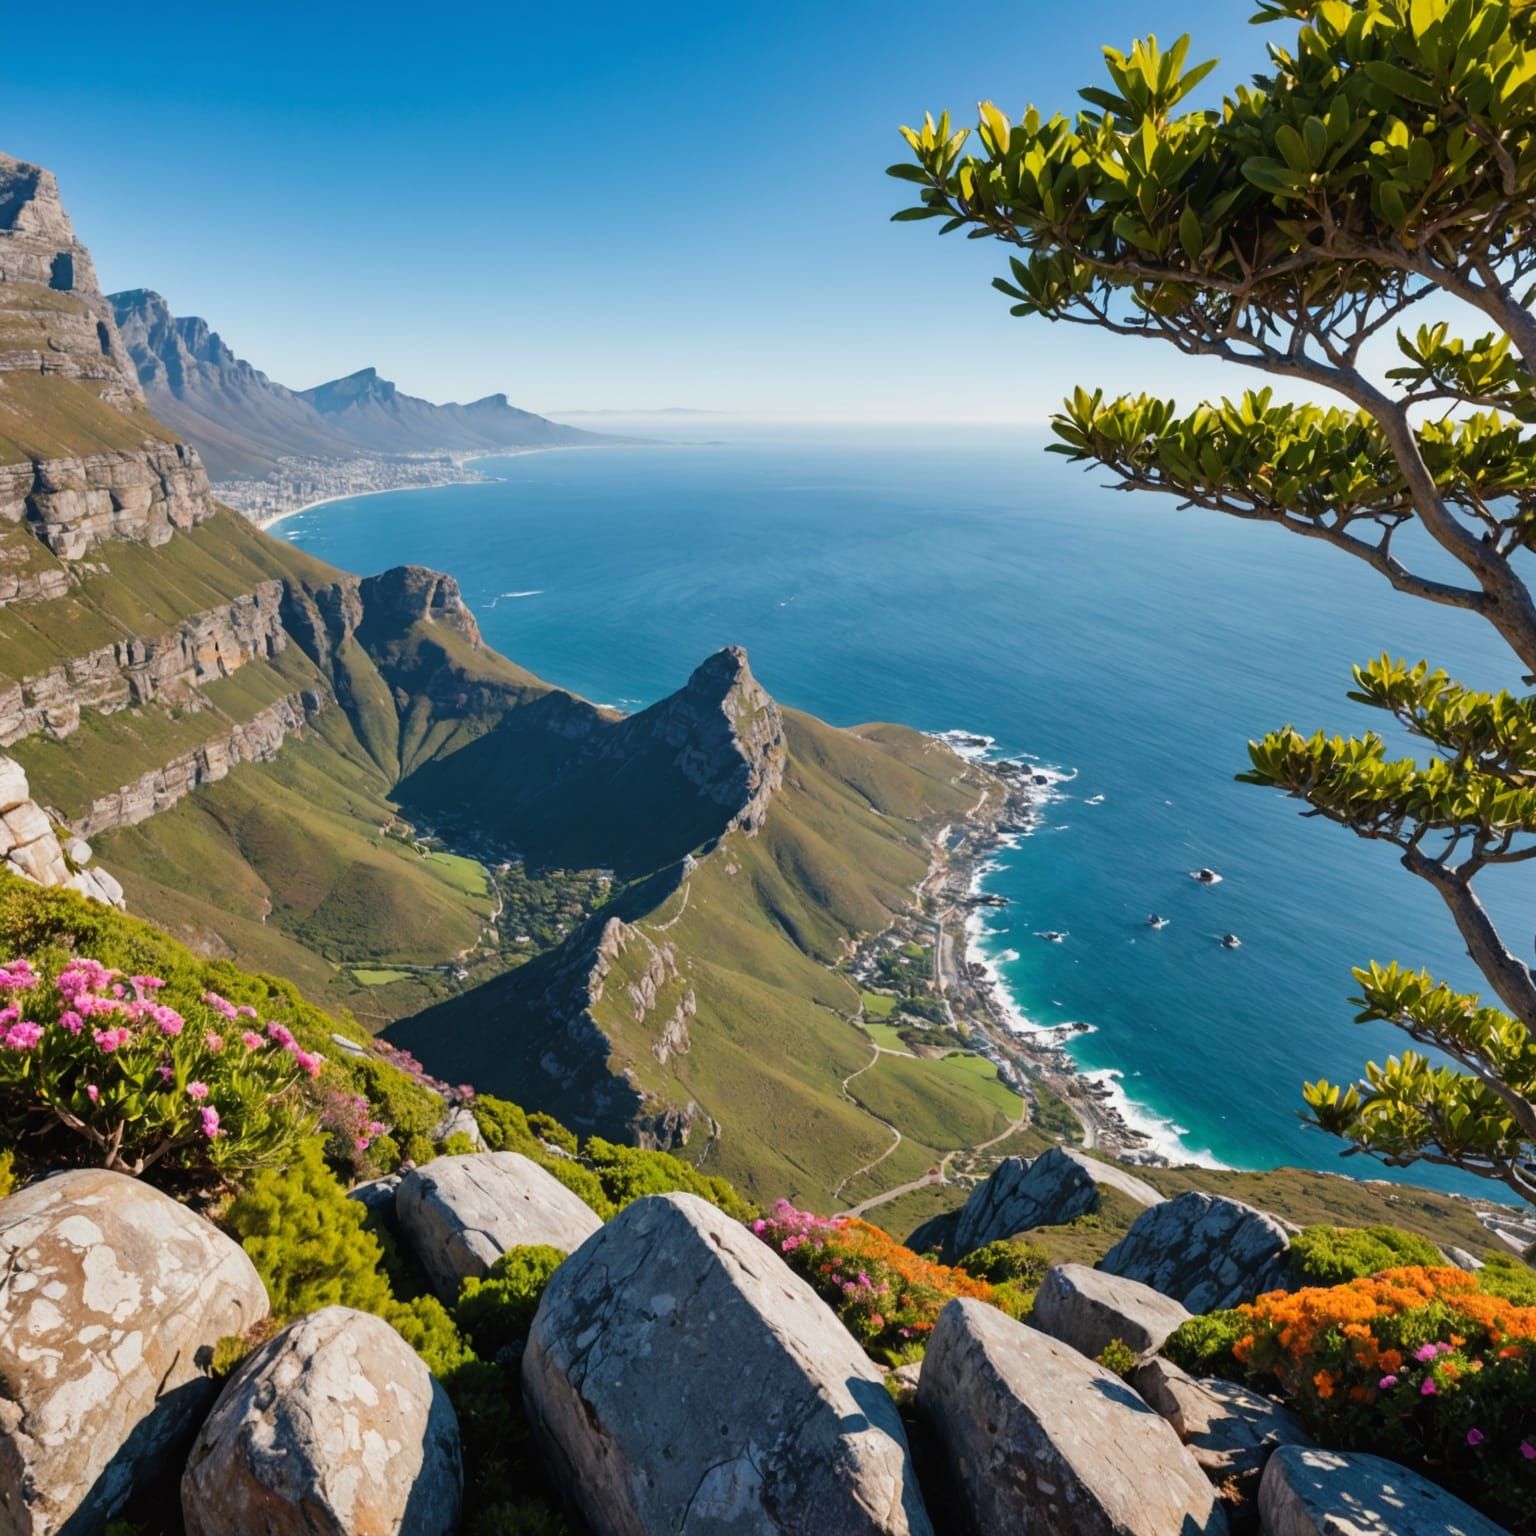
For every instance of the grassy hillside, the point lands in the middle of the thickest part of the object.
(748, 933)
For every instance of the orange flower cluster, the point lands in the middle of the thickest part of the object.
(1299, 1322)
(879, 1247)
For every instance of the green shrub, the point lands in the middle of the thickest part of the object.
(579, 1179)
(498, 1310)
(7, 1173)
(1331, 1255)
(627, 1173)
(1204, 1345)
(1117, 1356)
(503, 1124)
(1504, 1275)
(1008, 1259)
(457, 1145)
(549, 1130)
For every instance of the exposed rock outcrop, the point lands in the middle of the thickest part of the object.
(1325, 1493)
(460, 1214)
(333, 1428)
(1229, 1429)
(408, 594)
(114, 1296)
(1204, 1250)
(680, 1377)
(1046, 1191)
(202, 648)
(1036, 1437)
(30, 846)
(256, 740)
(42, 261)
(1090, 1310)
(75, 504)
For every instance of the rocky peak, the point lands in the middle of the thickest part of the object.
(410, 593)
(355, 389)
(727, 732)
(38, 249)
(167, 350)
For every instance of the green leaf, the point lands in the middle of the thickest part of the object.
(1400, 82)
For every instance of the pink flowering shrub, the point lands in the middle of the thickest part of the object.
(96, 1069)
(886, 1296)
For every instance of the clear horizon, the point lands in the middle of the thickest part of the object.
(600, 212)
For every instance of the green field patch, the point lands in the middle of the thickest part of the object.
(379, 978)
(463, 874)
(886, 1036)
(933, 1102)
(878, 1003)
(982, 1075)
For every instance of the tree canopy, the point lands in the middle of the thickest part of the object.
(1380, 174)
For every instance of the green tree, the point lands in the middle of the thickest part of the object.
(1385, 161)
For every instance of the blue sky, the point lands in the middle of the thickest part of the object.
(587, 206)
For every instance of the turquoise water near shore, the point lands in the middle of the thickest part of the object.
(965, 579)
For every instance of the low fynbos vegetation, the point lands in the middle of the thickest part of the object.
(887, 1297)
(1419, 1364)
(102, 1070)
(1332, 1255)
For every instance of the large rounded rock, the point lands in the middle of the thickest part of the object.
(1089, 1310)
(460, 1214)
(1044, 1192)
(1204, 1250)
(1309, 1492)
(112, 1297)
(333, 1428)
(1039, 1439)
(679, 1377)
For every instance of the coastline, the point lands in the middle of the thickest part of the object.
(471, 477)
(1112, 1121)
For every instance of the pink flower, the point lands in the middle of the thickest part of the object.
(147, 983)
(71, 1021)
(1475, 1437)
(210, 1120)
(170, 1022)
(252, 1041)
(213, 1042)
(361, 1143)
(1528, 1450)
(280, 1036)
(110, 1040)
(23, 1036)
(1387, 1383)
(92, 1092)
(166, 1073)
(245, 1011)
(221, 1005)
(1426, 1352)
(307, 1061)
(1429, 1388)
(17, 976)
(197, 1090)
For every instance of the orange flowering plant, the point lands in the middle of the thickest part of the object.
(1419, 1364)
(886, 1296)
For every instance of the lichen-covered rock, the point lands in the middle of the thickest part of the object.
(1309, 1492)
(679, 1377)
(333, 1428)
(1039, 1439)
(1204, 1250)
(112, 1300)
(1229, 1429)
(1046, 1191)
(460, 1214)
(1089, 1310)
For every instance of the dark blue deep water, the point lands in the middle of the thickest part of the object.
(964, 578)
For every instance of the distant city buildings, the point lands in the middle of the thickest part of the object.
(301, 482)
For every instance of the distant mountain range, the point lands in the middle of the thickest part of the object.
(244, 423)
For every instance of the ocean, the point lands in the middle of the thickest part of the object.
(961, 578)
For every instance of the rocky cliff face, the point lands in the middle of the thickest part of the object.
(409, 594)
(57, 320)
(30, 845)
(170, 667)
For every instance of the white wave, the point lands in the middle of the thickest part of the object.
(1006, 956)
(532, 592)
(1164, 1136)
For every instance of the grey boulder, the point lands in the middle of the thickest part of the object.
(333, 1428)
(1229, 1429)
(1204, 1250)
(681, 1378)
(1046, 1191)
(460, 1214)
(1039, 1440)
(1309, 1492)
(1088, 1309)
(112, 1299)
